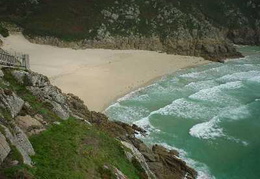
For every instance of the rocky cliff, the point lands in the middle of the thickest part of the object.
(187, 27)
(45, 133)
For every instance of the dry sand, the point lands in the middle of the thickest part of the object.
(98, 76)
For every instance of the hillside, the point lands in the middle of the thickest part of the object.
(198, 27)
(45, 133)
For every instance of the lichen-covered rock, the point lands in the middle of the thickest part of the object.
(138, 155)
(40, 86)
(119, 174)
(19, 139)
(49, 92)
(1, 74)
(171, 162)
(19, 75)
(62, 111)
(31, 78)
(54, 96)
(29, 125)
(77, 107)
(10, 101)
(4, 148)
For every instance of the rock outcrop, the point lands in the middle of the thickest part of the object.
(20, 140)
(245, 36)
(157, 161)
(213, 49)
(4, 148)
(40, 86)
(11, 101)
(29, 125)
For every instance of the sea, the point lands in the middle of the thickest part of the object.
(209, 113)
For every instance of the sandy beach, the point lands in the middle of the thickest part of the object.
(98, 76)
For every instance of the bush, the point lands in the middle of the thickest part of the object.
(4, 32)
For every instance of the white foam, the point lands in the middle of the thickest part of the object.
(235, 113)
(144, 97)
(187, 109)
(126, 113)
(112, 106)
(216, 94)
(144, 123)
(255, 79)
(209, 73)
(211, 130)
(135, 92)
(129, 95)
(244, 143)
(239, 76)
(192, 75)
(207, 130)
(199, 85)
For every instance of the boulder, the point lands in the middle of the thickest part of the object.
(140, 158)
(61, 111)
(19, 139)
(4, 148)
(119, 174)
(10, 101)
(77, 106)
(29, 125)
(30, 78)
(19, 75)
(1, 74)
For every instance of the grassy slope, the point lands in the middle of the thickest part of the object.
(72, 149)
(75, 150)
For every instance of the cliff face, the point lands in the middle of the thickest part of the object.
(187, 27)
(45, 133)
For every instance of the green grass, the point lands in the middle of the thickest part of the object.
(15, 154)
(70, 150)
(76, 150)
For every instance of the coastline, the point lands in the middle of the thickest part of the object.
(99, 76)
(148, 83)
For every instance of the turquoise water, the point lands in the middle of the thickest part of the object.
(210, 114)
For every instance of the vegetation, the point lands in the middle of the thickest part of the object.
(82, 19)
(69, 149)
(75, 150)
(3, 31)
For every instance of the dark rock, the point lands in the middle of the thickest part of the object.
(138, 129)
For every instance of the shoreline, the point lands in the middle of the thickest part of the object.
(150, 82)
(99, 76)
